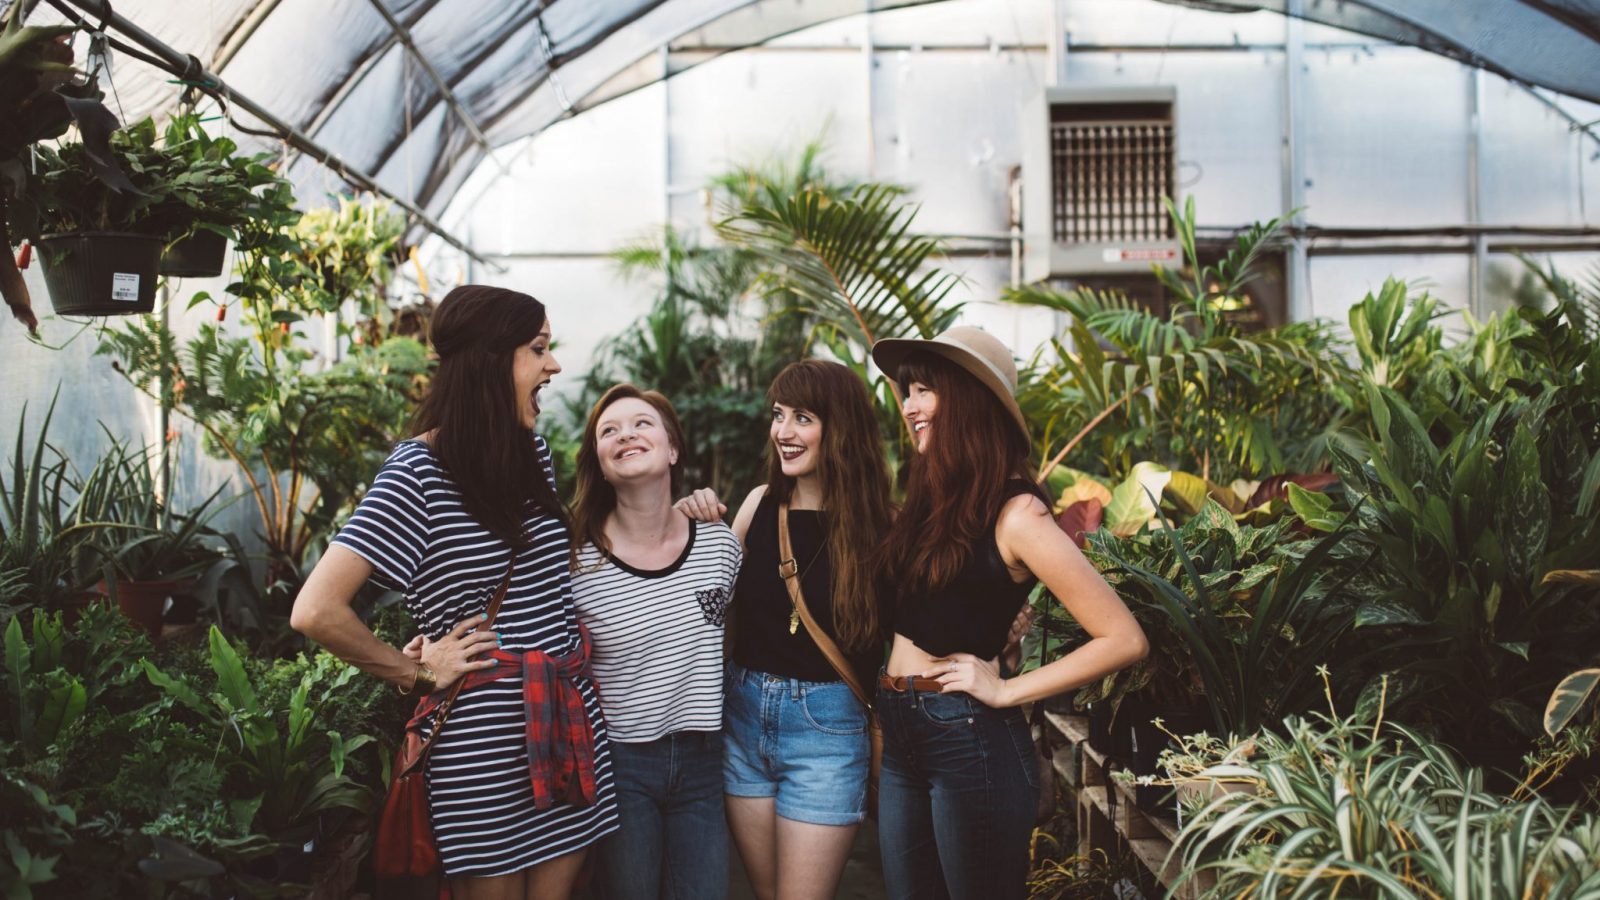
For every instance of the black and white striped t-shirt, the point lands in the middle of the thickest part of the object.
(414, 530)
(657, 634)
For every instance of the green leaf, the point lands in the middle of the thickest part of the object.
(1386, 612)
(1131, 508)
(231, 677)
(62, 706)
(17, 659)
(1520, 648)
(178, 690)
(1525, 519)
(1568, 698)
(1188, 492)
(1314, 508)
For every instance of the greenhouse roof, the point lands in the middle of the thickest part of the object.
(416, 93)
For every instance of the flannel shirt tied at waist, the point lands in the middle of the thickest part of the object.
(559, 736)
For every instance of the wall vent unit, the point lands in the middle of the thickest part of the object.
(1096, 163)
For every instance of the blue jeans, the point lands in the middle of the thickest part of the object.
(673, 836)
(956, 797)
(803, 743)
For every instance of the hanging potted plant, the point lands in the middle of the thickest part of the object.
(99, 242)
(41, 96)
(211, 192)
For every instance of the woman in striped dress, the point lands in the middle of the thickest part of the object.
(516, 791)
(653, 588)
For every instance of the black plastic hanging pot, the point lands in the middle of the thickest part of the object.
(200, 255)
(100, 273)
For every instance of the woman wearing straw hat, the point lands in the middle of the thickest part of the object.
(959, 780)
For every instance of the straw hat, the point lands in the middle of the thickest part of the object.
(973, 349)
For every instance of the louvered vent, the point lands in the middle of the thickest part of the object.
(1097, 163)
(1110, 167)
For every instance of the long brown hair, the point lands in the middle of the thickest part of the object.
(596, 498)
(855, 486)
(955, 486)
(472, 408)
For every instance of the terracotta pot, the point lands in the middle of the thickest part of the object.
(144, 601)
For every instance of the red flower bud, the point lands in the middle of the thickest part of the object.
(222, 313)
(25, 255)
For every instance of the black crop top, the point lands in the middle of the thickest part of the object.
(761, 641)
(972, 613)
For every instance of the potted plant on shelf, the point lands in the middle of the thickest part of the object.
(148, 553)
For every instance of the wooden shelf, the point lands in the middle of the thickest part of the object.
(1106, 825)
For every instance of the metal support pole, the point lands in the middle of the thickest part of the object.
(101, 10)
(1476, 301)
(1294, 180)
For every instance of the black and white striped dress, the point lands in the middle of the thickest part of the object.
(413, 529)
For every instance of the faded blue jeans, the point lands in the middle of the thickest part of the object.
(956, 797)
(672, 842)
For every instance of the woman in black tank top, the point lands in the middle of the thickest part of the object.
(796, 748)
(959, 783)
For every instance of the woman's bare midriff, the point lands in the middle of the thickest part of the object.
(906, 658)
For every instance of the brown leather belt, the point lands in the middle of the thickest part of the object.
(903, 683)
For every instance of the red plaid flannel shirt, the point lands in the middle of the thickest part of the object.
(560, 738)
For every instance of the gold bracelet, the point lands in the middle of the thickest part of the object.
(407, 690)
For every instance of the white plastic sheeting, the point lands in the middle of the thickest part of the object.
(339, 71)
(361, 86)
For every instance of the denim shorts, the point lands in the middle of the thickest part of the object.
(801, 742)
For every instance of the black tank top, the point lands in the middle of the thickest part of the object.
(972, 613)
(762, 642)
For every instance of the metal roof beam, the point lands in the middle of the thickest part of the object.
(403, 34)
(180, 62)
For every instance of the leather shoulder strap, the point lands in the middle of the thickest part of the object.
(788, 570)
(443, 711)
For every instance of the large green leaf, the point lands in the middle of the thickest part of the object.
(231, 677)
(1526, 516)
(62, 706)
(1568, 698)
(1313, 507)
(179, 690)
(17, 682)
(1131, 508)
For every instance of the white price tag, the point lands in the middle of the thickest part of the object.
(125, 287)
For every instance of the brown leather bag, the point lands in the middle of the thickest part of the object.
(788, 570)
(405, 848)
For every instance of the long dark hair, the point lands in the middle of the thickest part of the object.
(596, 498)
(855, 486)
(472, 409)
(955, 486)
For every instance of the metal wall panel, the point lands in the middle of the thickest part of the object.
(1386, 138)
(1339, 282)
(1530, 162)
(948, 125)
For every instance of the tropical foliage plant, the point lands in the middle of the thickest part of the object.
(1191, 391)
(1360, 806)
(1477, 525)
